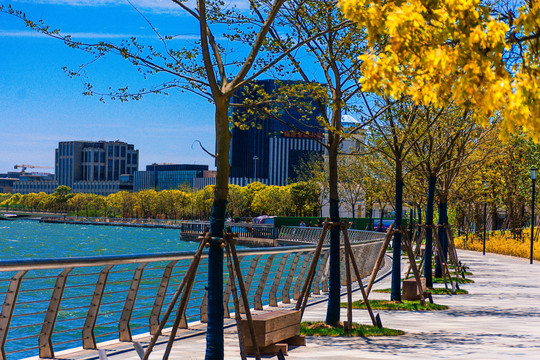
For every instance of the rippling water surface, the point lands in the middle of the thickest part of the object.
(31, 239)
(24, 239)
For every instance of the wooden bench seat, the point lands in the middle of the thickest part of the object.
(274, 330)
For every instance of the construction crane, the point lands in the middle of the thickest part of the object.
(26, 166)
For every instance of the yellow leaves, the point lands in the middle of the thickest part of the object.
(443, 51)
(501, 242)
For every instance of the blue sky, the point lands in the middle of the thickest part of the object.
(40, 105)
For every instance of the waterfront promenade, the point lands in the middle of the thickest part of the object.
(499, 319)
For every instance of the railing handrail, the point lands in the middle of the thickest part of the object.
(303, 234)
(103, 260)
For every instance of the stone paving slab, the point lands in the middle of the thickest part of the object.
(498, 319)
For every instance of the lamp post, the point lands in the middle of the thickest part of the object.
(255, 158)
(533, 178)
(485, 183)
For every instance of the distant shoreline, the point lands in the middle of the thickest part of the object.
(70, 220)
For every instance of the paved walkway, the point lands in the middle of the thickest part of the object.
(499, 319)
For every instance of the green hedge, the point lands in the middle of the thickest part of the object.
(359, 223)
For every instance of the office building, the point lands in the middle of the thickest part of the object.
(168, 176)
(270, 151)
(97, 167)
(92, 161)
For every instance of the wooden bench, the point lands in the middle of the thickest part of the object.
(274, 330)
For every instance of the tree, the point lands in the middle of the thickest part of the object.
(124, 201)
(238, 201)
(78, 202)
(314, 170)
(333, 46)
(203, 201)
(273, 200)
(351, 175)
(480, 55)
(394, 135)
(61, 195)
(146, 204)
(213, 71)
(305, 198)
(440, 156)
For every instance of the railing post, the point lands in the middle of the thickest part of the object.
(285, 296)
(124, 331)
(300, 277)
(272, 299)
(160, 297)
(325, 275)
(249, 279)
(7, 310)
(257, 301)
(45, 337)
(227, 294)
(320, 272)
(204, 308)
(89, 340)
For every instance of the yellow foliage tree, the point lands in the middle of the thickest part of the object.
(465, 51)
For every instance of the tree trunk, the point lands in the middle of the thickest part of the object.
(370, 225)
(428, 273)
(214, 334)
(334, 295)
(395, 291)
(443, 219)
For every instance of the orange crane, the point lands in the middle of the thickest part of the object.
(26, 166)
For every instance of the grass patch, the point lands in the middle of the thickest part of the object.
(323, 329)
(404, 305)
(459, 280)
(434, 291)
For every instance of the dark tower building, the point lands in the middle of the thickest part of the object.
(270, 150)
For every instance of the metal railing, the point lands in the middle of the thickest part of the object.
(244, 230)
(63, 303)
(308, 235)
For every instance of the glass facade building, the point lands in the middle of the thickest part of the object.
(270, 150)
(168, 176)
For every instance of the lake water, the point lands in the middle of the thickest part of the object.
(22, 239)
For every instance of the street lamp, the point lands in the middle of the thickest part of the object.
(533, 178)
(255, 158)
(485, 183)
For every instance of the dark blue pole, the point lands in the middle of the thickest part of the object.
(443, 219)
(429, 232)
(370, 226)
(532, 217)
(334, 289)
(395, 290)
(214, 334)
